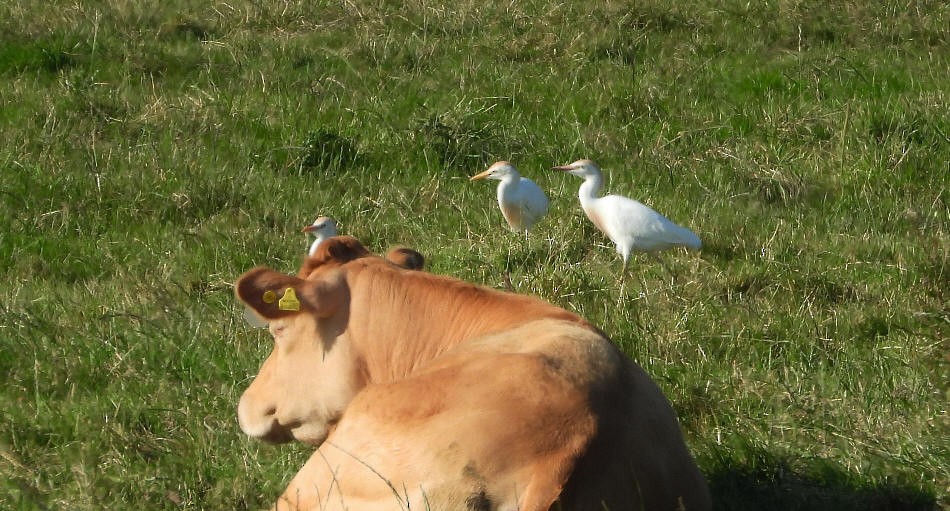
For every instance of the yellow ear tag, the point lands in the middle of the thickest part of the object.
(289, 301)
(269, 297)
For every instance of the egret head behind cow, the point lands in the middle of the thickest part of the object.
(305, 318)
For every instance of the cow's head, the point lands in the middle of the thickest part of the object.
(311, 375)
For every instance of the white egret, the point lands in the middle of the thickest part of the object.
(321, 228)
(630, 224)
(521, 201)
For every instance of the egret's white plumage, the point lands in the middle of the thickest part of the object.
(630, 224)
(522, 202)
(321, 228)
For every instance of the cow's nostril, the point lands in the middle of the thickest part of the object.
(270, 412)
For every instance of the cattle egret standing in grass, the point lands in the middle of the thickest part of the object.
(631, 225)
(521, 201)
(322, 228)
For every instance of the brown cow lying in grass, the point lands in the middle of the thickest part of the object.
(426, 392)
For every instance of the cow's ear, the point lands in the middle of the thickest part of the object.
(276, 295)
(270, 293)
(406, 258)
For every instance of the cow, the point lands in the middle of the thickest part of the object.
(423, 391)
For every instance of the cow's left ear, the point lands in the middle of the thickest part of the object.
(274, 295)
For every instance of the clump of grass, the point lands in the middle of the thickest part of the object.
(455, 147)
(326, 151)
(47, 57)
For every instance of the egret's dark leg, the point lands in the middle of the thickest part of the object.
(508, 285)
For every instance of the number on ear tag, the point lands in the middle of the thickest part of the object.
(289, 301)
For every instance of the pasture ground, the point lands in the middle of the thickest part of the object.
(151, 152)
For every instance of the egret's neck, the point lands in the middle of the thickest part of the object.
(507, 182)
(589, 189)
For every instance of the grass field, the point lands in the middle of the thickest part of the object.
(150, 152)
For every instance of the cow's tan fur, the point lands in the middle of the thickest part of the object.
(424, 391)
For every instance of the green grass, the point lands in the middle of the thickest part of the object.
(153, 152)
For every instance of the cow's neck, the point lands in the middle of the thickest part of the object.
(400, 321)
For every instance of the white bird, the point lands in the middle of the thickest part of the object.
(630, 224)
(521, 201)
(322, 228)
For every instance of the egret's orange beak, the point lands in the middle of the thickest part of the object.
(309, 228)
(564, 168)
(480, 175)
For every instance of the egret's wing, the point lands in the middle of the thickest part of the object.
(644, 228)
(533, 200)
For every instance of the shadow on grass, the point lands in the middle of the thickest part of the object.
(771, 483)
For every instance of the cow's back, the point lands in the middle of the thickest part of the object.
(638, 458)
